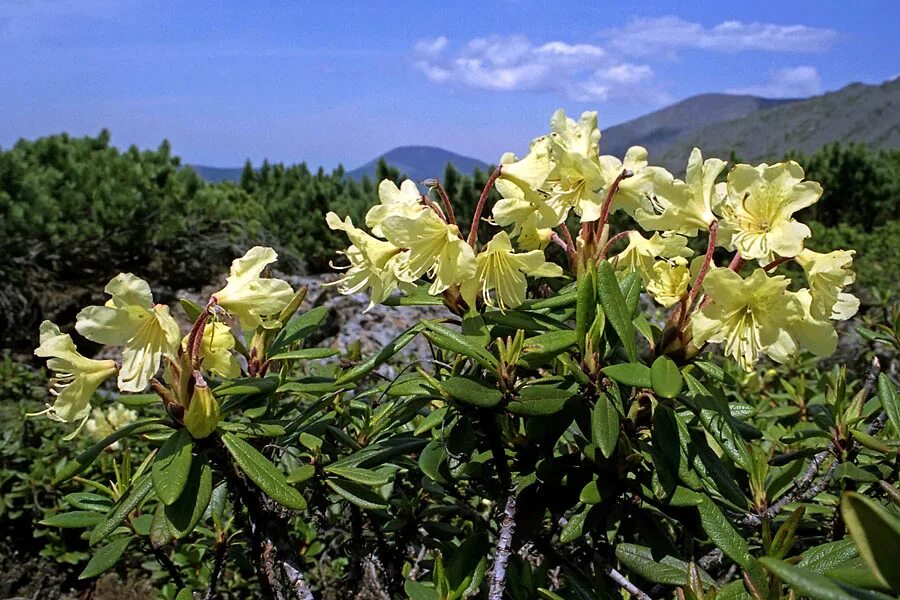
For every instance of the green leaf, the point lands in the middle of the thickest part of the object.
(722, 533)
(183, 515)
(591, 493)
(89, 501)
(86, 458)
(631, 290)
(525, 320)
(558, 301)
(540, 399)
(137, 399)
(872, 442)
(172, 465)
(733, 591)
(105, 558)
(393, 347)
(253, 430)
(434, 418)
(828, 556)
(247, 386)
(633, 374)
(877, 536)
(665, 377)
(454, 341)
(574, 528)
(419, 591)
(717, 420)
(159, 527)
(356, 494)
(129, 502)
(605, 425)
(586, 305)
(470, 391)
(616, 309)
(812, 584)
(668, 571)
(263, 473)
(184, 594)
(890, 400)
(191, 309)
(306, 354)
(547, 345)
(298, 328)
(431, 459)
(363, 476)
(301, 474)
(79, 519)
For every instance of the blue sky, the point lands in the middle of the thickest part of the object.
(340, 82)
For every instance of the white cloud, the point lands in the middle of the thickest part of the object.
(583, 72)
(792, 82)
(668, 34)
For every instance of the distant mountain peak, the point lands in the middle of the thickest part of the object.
(420, 162)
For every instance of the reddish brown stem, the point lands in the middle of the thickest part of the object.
(707, 261)
(736, 263)
(476, 218)
(604, 211)
(567, 235)
(434, 207)
(195, 338)
(445, 199)
(613, 240)
(776, 263)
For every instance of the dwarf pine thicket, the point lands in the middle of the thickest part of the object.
(560, 444)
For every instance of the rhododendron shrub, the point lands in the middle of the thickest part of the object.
(560, 443)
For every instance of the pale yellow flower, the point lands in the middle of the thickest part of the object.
(828, 275)
(248, 296)
(435, 249)
(803, 331)
(669, 281)
(577, 181)
(131, 319)
(405, 201)
(374, 263)
(523, 205)
(500, 274)
(641, 253)
(757, 214)
(746, 315)
(75, 377)
(216, 350)
(684, 207)
(634, 192)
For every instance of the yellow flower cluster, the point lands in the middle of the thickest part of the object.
(749, 211)
(148, 335)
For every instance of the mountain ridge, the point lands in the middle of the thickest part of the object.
(752, 127)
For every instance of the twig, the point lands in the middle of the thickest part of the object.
(166, 563)
(802, 489)
(776, 263)
(624, 583)
(504, 547)
(476, 218)
(218, 564)
(268, 531)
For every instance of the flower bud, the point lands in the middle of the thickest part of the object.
(202, 416)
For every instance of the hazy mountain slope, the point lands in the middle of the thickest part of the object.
(217, 174)
(657, 131)
(857, 113)
(420, 162)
